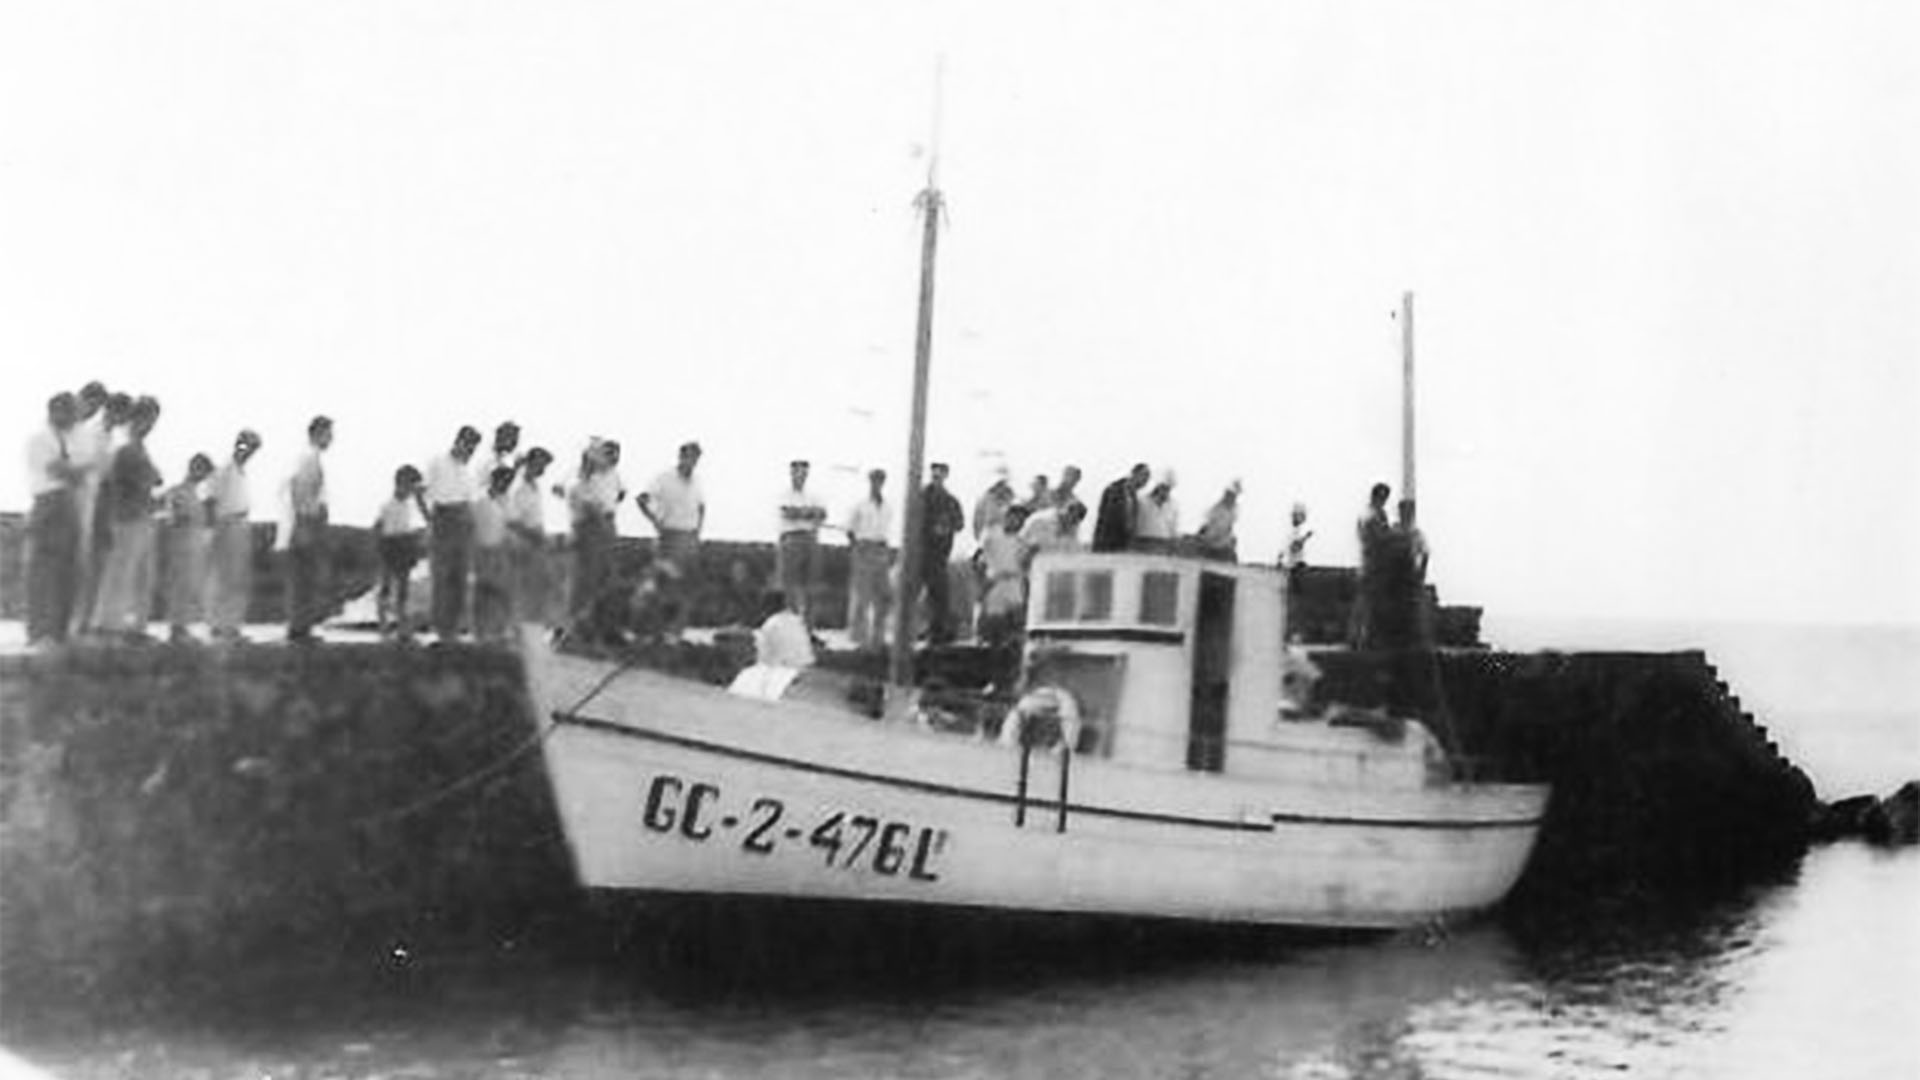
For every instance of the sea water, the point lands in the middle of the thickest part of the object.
(1811, 976)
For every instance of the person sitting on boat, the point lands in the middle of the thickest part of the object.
(1215, 538)
(783, 647)
(1156, 522)
(1119, 507)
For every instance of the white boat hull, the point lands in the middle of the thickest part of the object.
(672, 786)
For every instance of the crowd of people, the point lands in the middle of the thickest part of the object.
(101, 512)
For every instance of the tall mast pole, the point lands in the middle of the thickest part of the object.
(1406, 396)
(900, 661)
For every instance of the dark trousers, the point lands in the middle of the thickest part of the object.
(306, 576)
(452, 557)
(593, 536)
(53, 565)
(936, 574)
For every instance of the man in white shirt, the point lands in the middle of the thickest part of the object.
(230, 576)
(307, 536)
(527, 523)
(801, 514)
(677, 508)
(871, 561)
(53, 524)
(1156, 521)
(451, 490)
(90, 448)
(593, 500)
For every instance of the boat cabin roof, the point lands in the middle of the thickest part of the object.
(1131, 595)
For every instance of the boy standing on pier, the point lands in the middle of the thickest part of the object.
(492, 566)
(400, 536)
(188, 531)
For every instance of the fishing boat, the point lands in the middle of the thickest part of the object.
(1152, 766)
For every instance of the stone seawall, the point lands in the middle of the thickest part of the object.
(1662, 784)
(170, 811)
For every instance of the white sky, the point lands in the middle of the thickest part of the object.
(1667, 258)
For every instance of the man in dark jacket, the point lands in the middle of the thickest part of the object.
(942, 518)
(1113, 528)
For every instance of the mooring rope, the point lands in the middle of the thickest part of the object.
(484, 772)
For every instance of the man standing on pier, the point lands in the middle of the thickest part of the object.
(677, 508)
(307, 535)
(942, 519)
(869, 597)
(451, 490)
(53, 525)
(230, 577)
(1373, 530)
(801, 514)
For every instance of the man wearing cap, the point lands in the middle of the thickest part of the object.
(869, 597)
(307, 535)
(941, 520)
(801, 514)
(677, 508)
(53, 524)
(230, 552)
(450, 492)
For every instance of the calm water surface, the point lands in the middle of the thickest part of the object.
(1809, 978)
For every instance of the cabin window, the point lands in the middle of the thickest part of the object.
(1159, 598)
(1096, 597)
(1060, 596)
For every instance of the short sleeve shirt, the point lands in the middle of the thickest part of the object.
(677, 501)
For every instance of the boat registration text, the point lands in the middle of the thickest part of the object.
(696, 810)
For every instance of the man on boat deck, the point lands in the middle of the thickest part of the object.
(90, 450)
(1372, 530)
(941, 521)
(1003, 564)
(1119, 506)
(451, 491)
(1216, 537)
(869, 593)
(1156, 523)
(801, 514)
(1041, 497)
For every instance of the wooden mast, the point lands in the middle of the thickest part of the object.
(900, 660)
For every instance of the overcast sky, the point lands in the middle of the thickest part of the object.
(1666, 256)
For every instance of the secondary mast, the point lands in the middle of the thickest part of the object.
(1406, 396)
